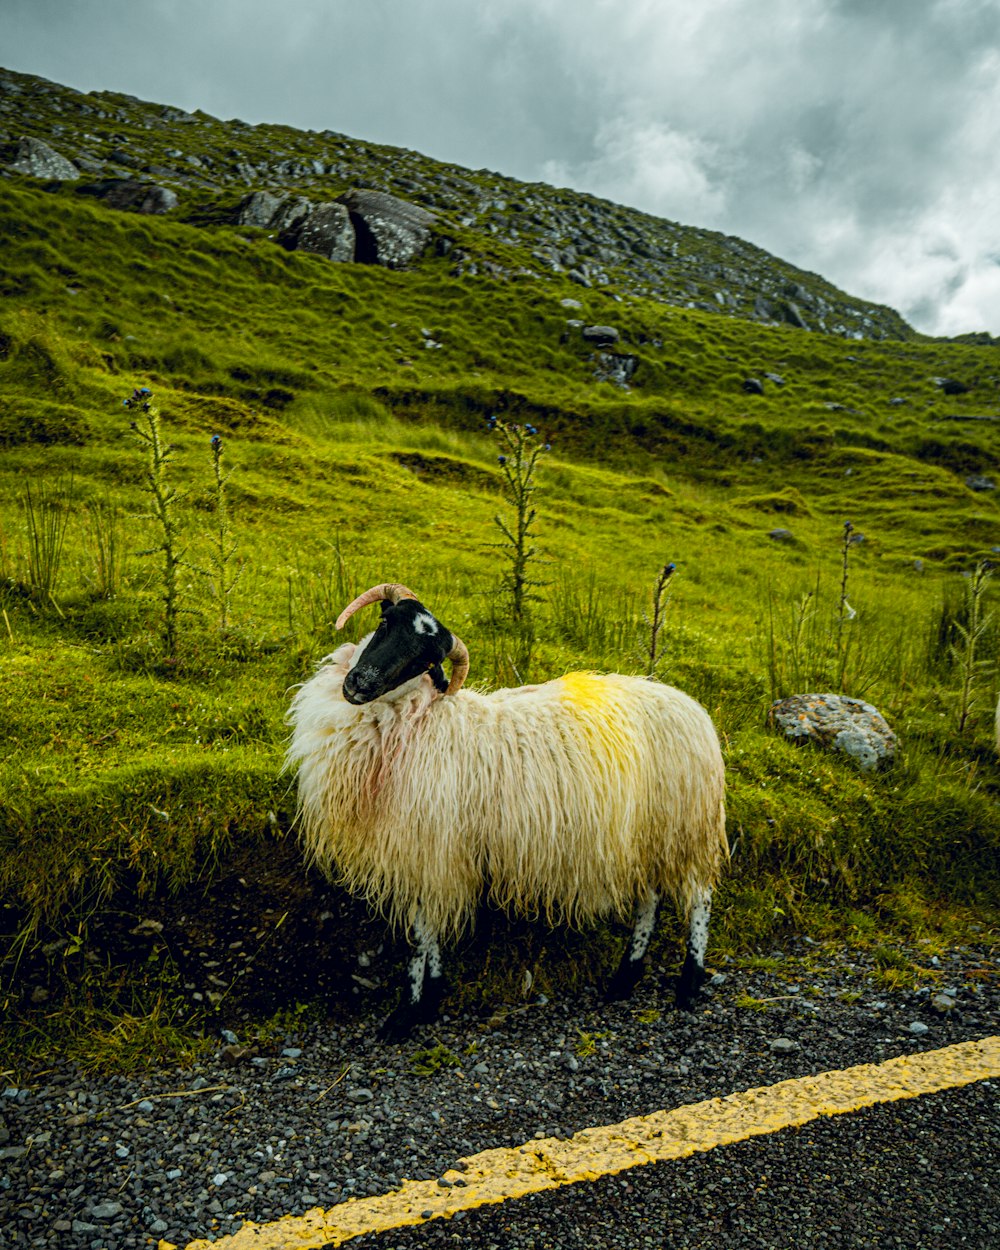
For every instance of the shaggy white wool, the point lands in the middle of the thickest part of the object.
(571, 799)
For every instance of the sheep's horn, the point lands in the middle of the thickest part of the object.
(459, 656)
(385, 590)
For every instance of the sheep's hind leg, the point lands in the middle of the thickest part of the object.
(633, 961)
(693, 971)
(422, 988)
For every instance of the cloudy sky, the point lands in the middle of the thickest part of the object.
(859, 139)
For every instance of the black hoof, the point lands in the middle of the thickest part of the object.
(408, 1015)
(398, 1025)
(627, 977)
(688, 984)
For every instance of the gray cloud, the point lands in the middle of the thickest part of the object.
(856, 138)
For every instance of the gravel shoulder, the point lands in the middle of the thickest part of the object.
(260, 1130)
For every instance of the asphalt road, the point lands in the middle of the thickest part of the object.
(317, 1117)
(921, 1174)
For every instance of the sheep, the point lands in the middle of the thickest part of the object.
(579, 799)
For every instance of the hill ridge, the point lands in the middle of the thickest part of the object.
(498, 226)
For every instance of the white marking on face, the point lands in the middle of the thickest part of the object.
(424, 623)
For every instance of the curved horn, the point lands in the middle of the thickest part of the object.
(459, 656)
(385, 590)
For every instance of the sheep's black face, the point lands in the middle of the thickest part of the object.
(409, 641)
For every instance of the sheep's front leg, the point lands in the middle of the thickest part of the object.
(633, 961)
(422, 988)
(693, 971)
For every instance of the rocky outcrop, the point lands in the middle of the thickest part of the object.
(389, 231)
(327, 230)
(132, 197)
(400, 198)
(837, 723)
(260, 209)
(617, 368)
(38, 160)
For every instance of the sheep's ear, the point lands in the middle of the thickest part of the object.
(438, 678)
(385, 605)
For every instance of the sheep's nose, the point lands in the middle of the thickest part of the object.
(359, 688)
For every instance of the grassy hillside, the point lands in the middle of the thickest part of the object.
(352, 404)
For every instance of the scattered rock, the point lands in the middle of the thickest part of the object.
(258, 209)
(615, 367)
(130, 196)
(918, 1028)
(951, 386)
(600, 336)
(232, 1055)
(793, 316)
(780, 535)
(978, 482)
(106, 1210)
(783, 1046)
(38, 160)
(753, 386)
(147, 928)
(837, 722)
(942, 1004)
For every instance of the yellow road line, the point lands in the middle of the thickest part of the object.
(495, 1175)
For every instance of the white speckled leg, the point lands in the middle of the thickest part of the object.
(693, 971)
(631, 967)
(424, 984)
(427, 960)
(645, 923)
(416, 971)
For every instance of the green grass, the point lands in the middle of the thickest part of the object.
(357, 456)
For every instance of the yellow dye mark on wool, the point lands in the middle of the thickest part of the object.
(587, 691)
(601, 714)
(494, 1176)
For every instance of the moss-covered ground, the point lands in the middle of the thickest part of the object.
(360, 453)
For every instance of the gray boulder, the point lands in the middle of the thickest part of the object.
(389, 231)
(38, 160)
(615, 367)
(327, 231)
(290, 215)
(837, 723)
(600, 336)
(132, 197)
(257, 209)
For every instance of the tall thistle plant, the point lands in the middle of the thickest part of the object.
(965, 651)
(522, 448)
(654, 650)
(163, 500)
(845, 612)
